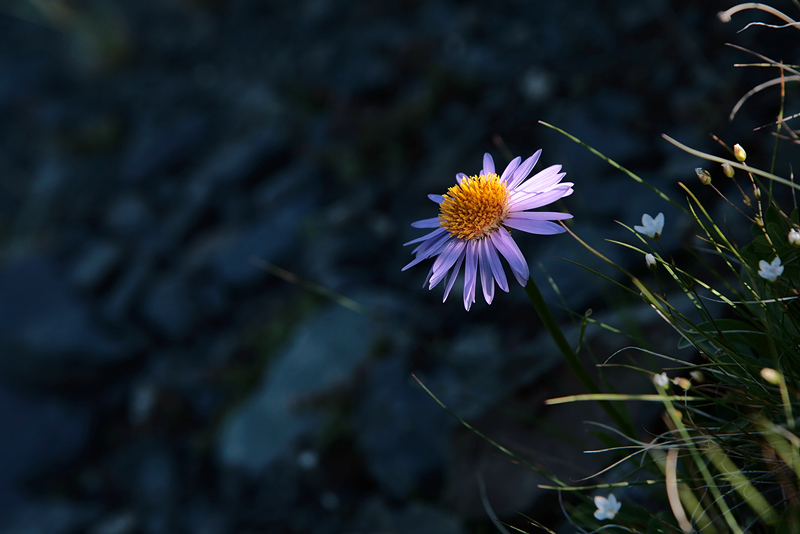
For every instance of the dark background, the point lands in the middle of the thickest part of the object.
(155, 378)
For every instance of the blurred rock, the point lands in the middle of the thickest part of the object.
(323, 354)
(47, 335)
(267, 239)
(120, 299)
(157, 145)
(40, 434)
(376, 516)
(169, 309)
(122, 523)
(128, 215)
(238, 161)
(94, 265)
(401, 431)
(47, 517)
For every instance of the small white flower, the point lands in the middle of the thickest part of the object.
(770, 271)
(607, 508)
(661, 380)
(794, 238)
(651, 227)
(651, 261)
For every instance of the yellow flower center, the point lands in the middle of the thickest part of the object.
(474, 208)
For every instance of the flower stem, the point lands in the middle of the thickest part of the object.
(539, 304)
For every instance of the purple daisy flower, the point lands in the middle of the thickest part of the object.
(474, 223)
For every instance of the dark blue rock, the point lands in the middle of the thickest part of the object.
(323, 354)
(401, 431)
(237, 161)
(39, 434)
(168, 308)
(95, 264)
(47, 335)
(267, 239)
(128, 215)
(156, 146)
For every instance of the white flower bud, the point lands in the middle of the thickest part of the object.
(771, 375)
(728, 170)
(739, 152)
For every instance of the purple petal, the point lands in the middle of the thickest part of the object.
(543, 180)
(505, 244)
(431, 247)
(524, 169)
(427, 223)
(428, 277)
(534, 227)
(487, 280)
(415, 261)
(460, 177)
(541, 215)
(454, 274)
(524, 202)
(510, 168)
(427, 236)
(488, 165)
(436, 198)
(432, 244)
(470, 272)
(446, 259)
(497, 267)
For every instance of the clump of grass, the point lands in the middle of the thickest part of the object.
(729, 459)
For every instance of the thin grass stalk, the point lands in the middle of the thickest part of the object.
(719, 500)
(550, 323)
(739, 482)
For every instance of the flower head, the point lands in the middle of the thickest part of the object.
(651, 227)
(661, 380)
(474, 223)
(650, 260)
(607, 508)
(794, 238)
(703, 175)
(770, 271)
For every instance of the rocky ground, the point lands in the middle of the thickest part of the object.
(158, 158)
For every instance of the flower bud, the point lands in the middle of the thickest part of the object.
(794, 238)
(757, 193)
(651, 260)
(703, 175)
(728, 170)
(697, 376)
(771, 375)
(683, 383)
(739, 152)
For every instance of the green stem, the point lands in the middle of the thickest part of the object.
(539, 304)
